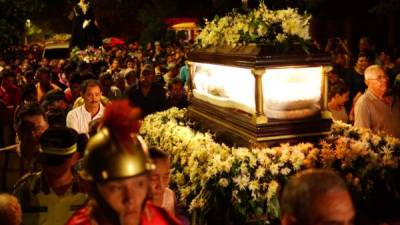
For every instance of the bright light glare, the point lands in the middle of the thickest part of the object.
(233, 83)
(292, 88)
(284, 88)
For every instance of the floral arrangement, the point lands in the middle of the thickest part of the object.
(206, 174)
(261, 26)
(89, 55)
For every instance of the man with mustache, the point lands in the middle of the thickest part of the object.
(92, 109)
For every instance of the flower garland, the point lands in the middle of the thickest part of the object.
(88, 55)
(261, 26)
(206, 173)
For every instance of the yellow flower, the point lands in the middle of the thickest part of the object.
(260, 172)
(272, 189)
(223, 182)
(241, 181)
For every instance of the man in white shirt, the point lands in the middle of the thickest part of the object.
(377, 109)
(92, 109)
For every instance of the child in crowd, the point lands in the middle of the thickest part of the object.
(160, 194)
(338, 96)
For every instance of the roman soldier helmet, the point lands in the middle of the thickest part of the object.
(108, 158)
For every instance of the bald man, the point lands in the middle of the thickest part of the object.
(376, 109)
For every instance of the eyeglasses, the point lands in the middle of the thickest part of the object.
(380, 78)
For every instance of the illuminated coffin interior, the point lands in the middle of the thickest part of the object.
(288, 93)
(259, 95)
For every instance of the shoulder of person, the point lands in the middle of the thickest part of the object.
(27, 181)
(158, 87)
(78, 102)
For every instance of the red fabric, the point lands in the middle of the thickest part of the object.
(152, 215)
(80, 217)
(68, 96)
(10, 96)
(173, 21)
(122, 119)
(113, 41)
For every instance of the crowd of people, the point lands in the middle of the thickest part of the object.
(51, 107)
(364, 87)
(69, 156)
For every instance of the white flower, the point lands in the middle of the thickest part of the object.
(223, 182)
(297, 158)
(179, 178)
(257, 24)
(185, 191)
(197, 203)
(281, 37)
(241, 181)
(260, 172)
(253, 185)
(272, 189)
(274, 169)
(285, 171)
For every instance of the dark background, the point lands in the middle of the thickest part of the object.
(142, 19)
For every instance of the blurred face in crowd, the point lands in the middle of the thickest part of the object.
(30, 137)
(39, 123)
(362, 63)
(149, 46)
(176, 90)
(126, 197)
(130, 65)
(334, 207)
(44, 79)
(159, 179)
(341, 99)
(25, 66)
(364, 45)
(114, 65)
(75, 89)
(131, 79)
(92, 96)
(106, 81)
(53, 63)
(61, 64)
(340, 59)
(58, 105)
(146, 78)
(332, 77)
(59, 169)
(44, 62)
(119, 53)
(378, 82)
(6, 82)
(120, 83)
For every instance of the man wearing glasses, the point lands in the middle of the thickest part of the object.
(377, 109)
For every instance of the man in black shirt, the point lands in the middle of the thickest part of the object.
(147, 95)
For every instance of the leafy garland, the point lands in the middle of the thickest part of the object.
(206, 173)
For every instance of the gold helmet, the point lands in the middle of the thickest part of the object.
(107, 159)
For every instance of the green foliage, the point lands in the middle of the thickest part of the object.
(151, 16)
(13, 15)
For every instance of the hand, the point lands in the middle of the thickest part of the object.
(85, 23)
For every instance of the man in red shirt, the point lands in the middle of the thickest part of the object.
(10, 95)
